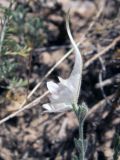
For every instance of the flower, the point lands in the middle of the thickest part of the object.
(66, 92)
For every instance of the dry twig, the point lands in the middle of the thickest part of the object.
(105, 50)
(28, 106)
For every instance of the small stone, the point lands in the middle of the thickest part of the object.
(111, 9)
(87, 9)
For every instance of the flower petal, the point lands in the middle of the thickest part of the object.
(63, 81)
(48, 107)
(60, 107)
(52, 87)
(76, 74)
(63, 95)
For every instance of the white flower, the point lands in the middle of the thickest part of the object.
(65, 93)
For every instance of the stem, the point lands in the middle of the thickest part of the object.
(82, 153)
(3, 34)
(4, 27)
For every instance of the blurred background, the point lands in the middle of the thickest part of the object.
(33, 38)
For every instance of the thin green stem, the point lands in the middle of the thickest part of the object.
(81, 137)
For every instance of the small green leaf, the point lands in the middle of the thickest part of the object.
(75, 158)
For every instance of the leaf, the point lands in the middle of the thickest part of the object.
(75, 157)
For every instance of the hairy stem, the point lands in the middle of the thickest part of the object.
(81, 137)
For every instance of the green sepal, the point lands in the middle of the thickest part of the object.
(75, 108)
(82, 112)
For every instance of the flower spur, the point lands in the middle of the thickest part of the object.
(64, 94)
